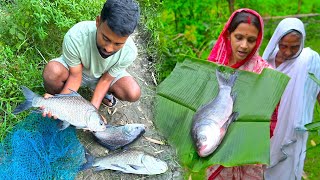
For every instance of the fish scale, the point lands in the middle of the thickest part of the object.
(74, 109)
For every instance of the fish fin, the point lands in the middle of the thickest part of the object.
(232, 118)
(22, 107)
(73, 93)
(222, 80)
(233, 78)
(27, 104)
(63, 125)
(110, 147)
(116, 165)
(135, 167)
(90, 160)
(98, 168)
(225, 126)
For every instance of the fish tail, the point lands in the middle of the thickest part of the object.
(234, 116)
(90, 161)
(233, 79)
(29, 95)
(224, 81)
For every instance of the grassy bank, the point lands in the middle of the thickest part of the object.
(31, 34)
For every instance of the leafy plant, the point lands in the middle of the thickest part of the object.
(189, 28)
(42, 24)
(15, 72)
(31, 33)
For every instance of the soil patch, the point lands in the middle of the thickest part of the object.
(138, 112)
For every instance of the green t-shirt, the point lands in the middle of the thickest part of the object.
(80, 47)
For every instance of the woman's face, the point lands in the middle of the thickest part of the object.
(243, 39)
(289, 45)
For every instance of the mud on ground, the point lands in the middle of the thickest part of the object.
(137, 112)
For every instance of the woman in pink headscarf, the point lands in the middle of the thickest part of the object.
(237, 47)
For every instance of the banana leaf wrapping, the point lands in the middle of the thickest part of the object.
(192, 84)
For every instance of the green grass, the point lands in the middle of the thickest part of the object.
(28, 41)
(15, 72)
(312, 163)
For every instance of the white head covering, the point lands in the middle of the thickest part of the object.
(284, 27)
(296, 105)
(295, 68)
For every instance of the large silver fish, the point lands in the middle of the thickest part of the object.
(115, 137)
(211, 121)
(70, 108)
(129, 161)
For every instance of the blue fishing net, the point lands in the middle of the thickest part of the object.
(37, 149)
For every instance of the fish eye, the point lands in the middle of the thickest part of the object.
(202, 138)
(101, 123)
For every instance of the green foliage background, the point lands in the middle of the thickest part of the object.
(188, 28)
(31, 34)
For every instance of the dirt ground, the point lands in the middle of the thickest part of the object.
(137, 112)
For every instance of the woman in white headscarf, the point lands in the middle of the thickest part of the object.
(286, 53)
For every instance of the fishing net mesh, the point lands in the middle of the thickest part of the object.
(37, 149)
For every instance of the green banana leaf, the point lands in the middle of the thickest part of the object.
(314, 126)
(193, 83)
(314, 78)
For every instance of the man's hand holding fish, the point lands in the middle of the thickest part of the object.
(71, 109)
(49, 114)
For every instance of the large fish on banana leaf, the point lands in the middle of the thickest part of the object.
(211, 121)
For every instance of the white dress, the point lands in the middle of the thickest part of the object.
(288, 145)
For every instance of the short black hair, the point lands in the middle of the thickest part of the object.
(122, 16)
(243, 17)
